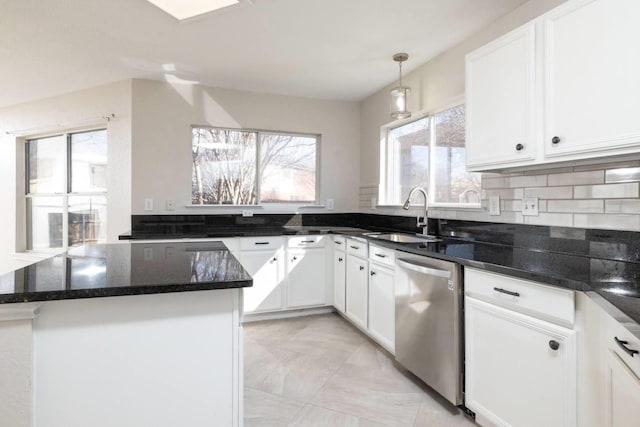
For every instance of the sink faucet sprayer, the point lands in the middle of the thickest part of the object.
(421, 221)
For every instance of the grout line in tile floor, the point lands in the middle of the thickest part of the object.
(322, 371)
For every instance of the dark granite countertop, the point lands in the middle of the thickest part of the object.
(125, 269)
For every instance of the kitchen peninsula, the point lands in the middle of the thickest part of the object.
(124, 334)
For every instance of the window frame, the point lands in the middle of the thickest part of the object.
(387, 157)
(259, 204)
(67, 135)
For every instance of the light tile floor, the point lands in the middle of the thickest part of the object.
(321, 371)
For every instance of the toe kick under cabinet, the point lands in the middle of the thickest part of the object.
(520, 351)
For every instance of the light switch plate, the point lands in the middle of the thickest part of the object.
(494, 205)
(374, 202)
(530, 206)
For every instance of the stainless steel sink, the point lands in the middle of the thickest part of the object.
(404, 238)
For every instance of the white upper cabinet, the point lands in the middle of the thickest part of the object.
(565, 86)
(591, 78)
(500, 111)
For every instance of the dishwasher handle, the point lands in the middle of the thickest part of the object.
(421, 268)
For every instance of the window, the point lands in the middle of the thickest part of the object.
(66, 189)
(246, 167)
(429, 152)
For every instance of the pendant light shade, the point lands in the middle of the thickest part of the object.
(399, 93)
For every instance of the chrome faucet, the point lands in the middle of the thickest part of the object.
(421, 221)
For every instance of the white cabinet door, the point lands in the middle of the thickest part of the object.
(356, 298)
(623, 393)
(382, 306)
(339, 280)
(306, 277)
(515, 373)
(591, 84)
(266, 268)
(500, 107)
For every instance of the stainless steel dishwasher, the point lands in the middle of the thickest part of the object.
(428, 298)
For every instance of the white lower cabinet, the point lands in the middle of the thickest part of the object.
(520, 370)
(356, 290)
(382, 305)
(267, 269)
(339, 280)
(623, 393)
(306, 276)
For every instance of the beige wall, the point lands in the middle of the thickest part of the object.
(162, 117)
(76, 110)
(434, 84)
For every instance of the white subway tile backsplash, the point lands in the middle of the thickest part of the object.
(607, 191)
(631, 206)
(527, 181)
(549, 192)
(576, 206)
(589, 196)
(576, 178)
(607, 221)
(555, 219)
(622, 175)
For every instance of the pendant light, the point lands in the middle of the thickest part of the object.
(399, 93)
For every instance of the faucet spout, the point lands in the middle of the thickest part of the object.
(424, 220)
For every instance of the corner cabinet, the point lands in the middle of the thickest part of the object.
(501, 101)
(562, 88)
(520, 367)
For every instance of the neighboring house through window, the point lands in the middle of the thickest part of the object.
(248, 167)
(66, 189)
(428, 152)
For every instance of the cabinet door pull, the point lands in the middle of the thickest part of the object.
(504, 291)
(555, 140)
(519, 147)
(355, 247)
(308, 241)
(554, 345)
(623, 345)
(294, 258)
(274, 259)
(380, 255)
(372, 273)
(361, 268)
(338, 243)
(339, 259)
(261, 243)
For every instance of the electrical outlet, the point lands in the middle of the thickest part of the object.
(494, 205)
(148, 204)
(530, 206)
(169, 251)
(330, 204)
(246, 212)
(148, 254)
(374, 202)
(169, 205)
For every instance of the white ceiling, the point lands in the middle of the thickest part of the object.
(331, 49)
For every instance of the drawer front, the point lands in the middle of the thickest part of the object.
(357, 247)
(382, 255)
(306, 241)
(339, 243)
(261, 243)
(536, 299)
(623, 343)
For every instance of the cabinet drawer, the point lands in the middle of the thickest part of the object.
(357, 247)
(306, 242)
(618, 338)
(548, 302)
(261, 243)
(382, 255)
(339, 243)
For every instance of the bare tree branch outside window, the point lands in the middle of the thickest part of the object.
(226, 166)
